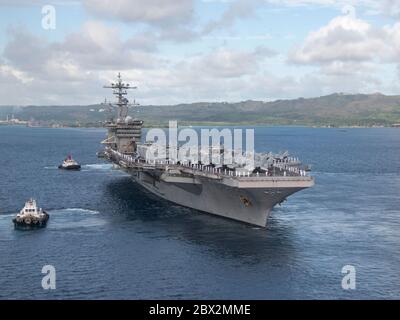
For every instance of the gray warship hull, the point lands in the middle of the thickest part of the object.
(246, 199)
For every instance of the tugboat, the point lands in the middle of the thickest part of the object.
(30, 217)
(69, 164)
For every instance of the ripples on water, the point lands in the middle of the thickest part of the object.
(108, 238)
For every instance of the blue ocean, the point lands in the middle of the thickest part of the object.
(109, 239)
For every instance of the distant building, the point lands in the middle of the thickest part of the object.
(13, 121)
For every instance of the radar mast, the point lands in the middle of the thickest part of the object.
(120, 89)
(124, 133)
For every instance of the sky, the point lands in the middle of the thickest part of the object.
(62, 52)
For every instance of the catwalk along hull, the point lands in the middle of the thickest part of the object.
(249, 200)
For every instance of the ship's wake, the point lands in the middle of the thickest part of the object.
(72, 218)
(97, 166)
(73, 211)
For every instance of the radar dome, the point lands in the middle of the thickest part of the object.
(128, 119)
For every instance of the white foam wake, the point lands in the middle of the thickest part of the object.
(74, 210)
(99, 166)
(7, 215)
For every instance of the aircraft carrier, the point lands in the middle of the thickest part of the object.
(235, 191)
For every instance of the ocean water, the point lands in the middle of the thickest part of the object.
(108, 239)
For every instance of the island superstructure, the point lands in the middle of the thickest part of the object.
(232, 191)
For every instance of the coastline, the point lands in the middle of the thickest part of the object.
(208, 124)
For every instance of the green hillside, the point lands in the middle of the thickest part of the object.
(335, 109)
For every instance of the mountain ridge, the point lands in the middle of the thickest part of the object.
(337, 109)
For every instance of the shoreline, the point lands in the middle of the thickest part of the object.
(208, 124)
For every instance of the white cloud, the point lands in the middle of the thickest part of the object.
(380, 7)
(99, 47)
(351, 56)
(95, 47)
(237, 10)
(7, 72)
(22, 3)
(244, 9)
(149, 11)
(143, 41)
(347, 54)
(228, 63)
(168, 20)
(71, 71)
(347, 38)
(393, 42)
